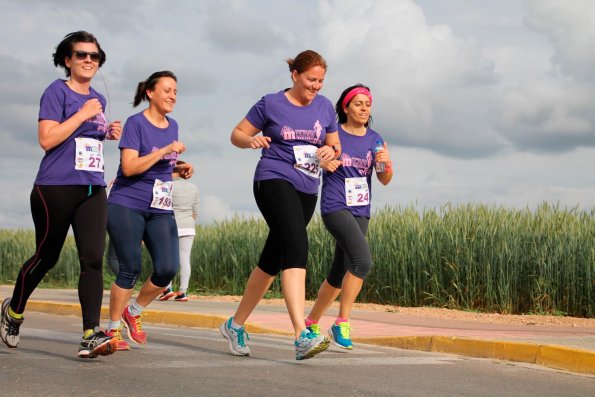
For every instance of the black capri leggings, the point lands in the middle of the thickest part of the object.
(352, 252)
(287, 212)
(54, 210)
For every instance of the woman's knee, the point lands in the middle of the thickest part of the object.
(361, 270)
(127, 279)
(162, 275)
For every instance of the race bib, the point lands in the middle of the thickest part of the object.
(306, 160)
(162, 194)
(357, 192)
(88, 155)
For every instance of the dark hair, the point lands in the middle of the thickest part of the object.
(341, 115)
(149, 84)
(305, 60)
(64, 49)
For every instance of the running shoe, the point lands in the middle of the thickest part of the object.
(235, 337)
(308, 345)
(121, 344)
(166, 294)
(9, 326)
(97, 344)
(314, 328)
(133, 327)
(181, 297)
(341, 335)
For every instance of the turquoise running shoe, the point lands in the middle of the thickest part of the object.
(235, 338)
(309, 345)
(341, 335)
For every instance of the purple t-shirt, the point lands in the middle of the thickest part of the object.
(136, 192)
(288, 126)
(357, 155)
(59, 103)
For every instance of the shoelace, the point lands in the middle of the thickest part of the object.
(240, 333)
(306, 335)
(344, 329)
(137, 323)
(117, 333)
(13, 328)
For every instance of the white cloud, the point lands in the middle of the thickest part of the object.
(570, 27)
(424, 78)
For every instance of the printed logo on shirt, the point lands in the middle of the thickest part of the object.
(172, 157)
(312, 136)
(363, 166)
(101, 121)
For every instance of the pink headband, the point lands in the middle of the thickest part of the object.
(354, 92)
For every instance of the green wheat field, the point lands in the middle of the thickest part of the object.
(471, 257)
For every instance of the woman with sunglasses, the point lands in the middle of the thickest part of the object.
(69, 190)
(345, 207)
(140, 204)
(298, 130)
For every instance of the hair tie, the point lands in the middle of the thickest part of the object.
(354, 92)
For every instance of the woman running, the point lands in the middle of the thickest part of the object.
(69, 190)
(298, 131)
(140, 204)
(345, 207)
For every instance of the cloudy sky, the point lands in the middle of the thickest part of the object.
(487, 101)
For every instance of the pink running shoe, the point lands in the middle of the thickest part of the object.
(134, 327)
(116, 334)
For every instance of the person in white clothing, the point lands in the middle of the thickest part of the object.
(185, 203)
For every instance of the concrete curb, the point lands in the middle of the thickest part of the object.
(553, 356)
(182, 319)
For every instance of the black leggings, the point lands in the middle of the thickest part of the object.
(351, 249)
(287, 212)
(54, 210)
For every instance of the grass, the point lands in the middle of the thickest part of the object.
(472, 257)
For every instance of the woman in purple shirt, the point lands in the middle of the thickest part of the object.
(69, 190)
(140, 204)
(298, 131)
(345, 208)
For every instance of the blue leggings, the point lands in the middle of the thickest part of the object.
(128, 228)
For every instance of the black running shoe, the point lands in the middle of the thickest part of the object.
(97, 344)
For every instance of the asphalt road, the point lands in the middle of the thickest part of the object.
(196, 362)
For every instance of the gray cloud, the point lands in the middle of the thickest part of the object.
(570, 27)
(478, 102)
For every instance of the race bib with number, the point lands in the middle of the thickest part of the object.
(88, 155)
(357, 191)
(162, 195)
(306, 160)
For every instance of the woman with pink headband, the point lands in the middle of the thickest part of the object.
(345, 208)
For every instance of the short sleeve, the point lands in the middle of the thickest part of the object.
(257, 114)
(51, 105)
(131, 135)
(332, 127)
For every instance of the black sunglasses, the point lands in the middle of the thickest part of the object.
(82, 55)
